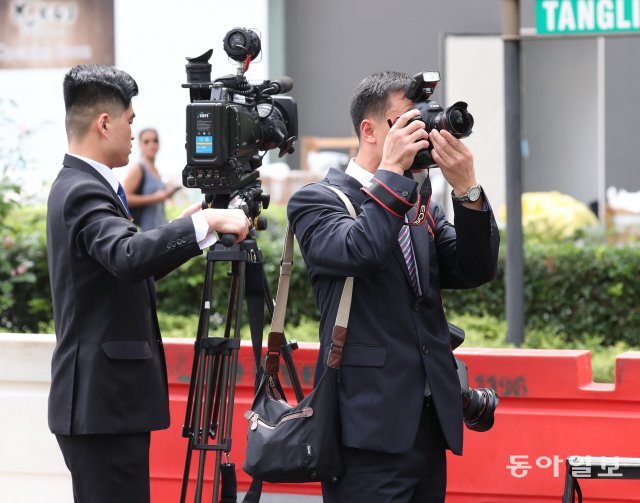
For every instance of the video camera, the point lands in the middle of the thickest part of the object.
(455, 119)
(478, 404)
(231, 124)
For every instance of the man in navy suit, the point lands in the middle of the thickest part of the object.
(399, 393)
(109, 385)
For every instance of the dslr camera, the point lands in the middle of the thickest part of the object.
(455, 119)
(231, 124)
(478, 404)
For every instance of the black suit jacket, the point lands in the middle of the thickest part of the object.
(108, 368)
(395, 338)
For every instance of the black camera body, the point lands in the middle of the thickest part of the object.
(230, 124)
(478, 404)
(456, 119)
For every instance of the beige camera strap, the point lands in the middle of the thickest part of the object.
(276, 335)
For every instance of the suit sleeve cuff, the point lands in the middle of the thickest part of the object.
(395, 193)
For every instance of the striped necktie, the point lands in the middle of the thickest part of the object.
(123, 198)
(404, 238)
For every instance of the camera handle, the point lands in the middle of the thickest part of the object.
(226, 239)
(238, 201)
(210, 400)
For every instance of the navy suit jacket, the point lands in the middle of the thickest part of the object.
(396, 339)
(108, 367)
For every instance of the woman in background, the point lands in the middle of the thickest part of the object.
(145, 190)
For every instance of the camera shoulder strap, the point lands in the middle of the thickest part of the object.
(274, 344)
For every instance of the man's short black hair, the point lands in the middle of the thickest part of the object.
(92, 89)
(371, 97)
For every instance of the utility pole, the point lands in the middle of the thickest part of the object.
(514, 283)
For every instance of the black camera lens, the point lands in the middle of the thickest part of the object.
(478, 408)
(459, 121)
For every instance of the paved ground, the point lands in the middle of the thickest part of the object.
(285, 498)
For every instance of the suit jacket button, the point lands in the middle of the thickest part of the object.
(416, 306)
(425, 349)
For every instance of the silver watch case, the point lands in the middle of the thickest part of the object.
(472, 195)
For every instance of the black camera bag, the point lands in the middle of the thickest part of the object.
(298, 443)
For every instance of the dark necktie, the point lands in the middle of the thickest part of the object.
(404, 238)
(123, 198)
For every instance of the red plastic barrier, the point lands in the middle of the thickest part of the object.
(549, 409)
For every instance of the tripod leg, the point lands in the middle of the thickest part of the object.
(198, 429)
(188, 430)
(229, 373)
(204, 432)
(232, 307)
(215, 398)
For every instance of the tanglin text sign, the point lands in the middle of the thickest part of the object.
(560, 17)
(55, 33)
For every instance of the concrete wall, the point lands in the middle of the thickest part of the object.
(559, 114)
(31, 465)
(622, 111)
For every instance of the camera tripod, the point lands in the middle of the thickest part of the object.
(209, 411)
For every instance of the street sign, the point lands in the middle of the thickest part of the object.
(574, 17)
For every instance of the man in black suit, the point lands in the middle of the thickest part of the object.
(109, 385)
(399, 392)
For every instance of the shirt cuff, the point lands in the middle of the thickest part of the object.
(200, 225)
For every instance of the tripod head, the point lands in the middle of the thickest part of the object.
(251, 199)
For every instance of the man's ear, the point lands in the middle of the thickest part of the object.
(103, 122)
(367, 130)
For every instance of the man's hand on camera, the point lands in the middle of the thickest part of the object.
(227, 222)
(403, 142)
(456, 163)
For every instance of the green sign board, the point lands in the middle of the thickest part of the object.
(573, 17)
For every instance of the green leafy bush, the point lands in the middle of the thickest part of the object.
(25, 295)
(578, 290)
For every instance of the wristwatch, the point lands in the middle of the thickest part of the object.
(472, 195)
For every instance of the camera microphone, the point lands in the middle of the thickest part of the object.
(284, 85)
